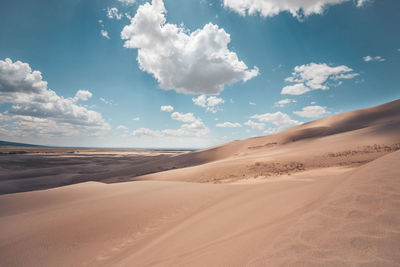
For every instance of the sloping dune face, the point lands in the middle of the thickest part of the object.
(345, 140)
(381, 122)
(324, 193)
(319, 218)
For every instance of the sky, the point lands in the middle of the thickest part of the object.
(189, 73)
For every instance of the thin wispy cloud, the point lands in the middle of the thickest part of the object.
(284, 102)
(104, 33)
(376, 58)
(122, 128)
(229, 125)
(106, 101)
(127, 2)
(113, 13)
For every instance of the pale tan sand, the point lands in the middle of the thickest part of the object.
(350, 218)
(350, 139)
(321, 194)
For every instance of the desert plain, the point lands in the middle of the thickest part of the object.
(325, 193)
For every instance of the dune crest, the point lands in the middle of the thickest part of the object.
(350, 139)
(327, 219)
(324, 193)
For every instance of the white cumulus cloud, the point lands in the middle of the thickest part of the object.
(167, 108)
(316, 76)
(192, 127)
(269, 8)
(35, 107)
(211, 103)
(295, 89)
(199, 62)
(280, 120)
(83, 95)
(255, 125)
(184, 117)
(312, 112)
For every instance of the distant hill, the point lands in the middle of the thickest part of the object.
(348, 139)
(5, 143)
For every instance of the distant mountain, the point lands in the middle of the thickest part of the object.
(5, 143)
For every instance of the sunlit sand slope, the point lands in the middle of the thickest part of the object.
(326, 217)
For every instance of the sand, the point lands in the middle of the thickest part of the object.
(349, 218)
(36, 169)
(329, 198)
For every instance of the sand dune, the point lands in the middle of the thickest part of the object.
(325, 193)
(349, 139)
(331, 217)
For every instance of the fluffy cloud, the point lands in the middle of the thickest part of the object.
(104, 33)
(252, 103)
(112, 13)
(315, 76)
(136, 119)
(192, 127)
(269, 8)
(377, 58)
(211, 103)
(184, 117)
(312, 112)
(295, 89)
(167, 108)
(191, 63)
(255, 125)
(280, 120)
(229, 125)
(127, 2)
(35, 107)
(284, 102)
(83, 95)
(195, 128)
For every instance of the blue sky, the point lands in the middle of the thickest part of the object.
(222, 65)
